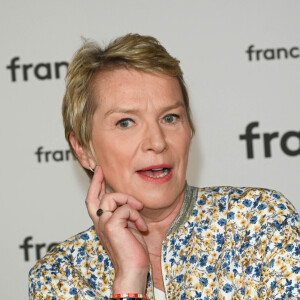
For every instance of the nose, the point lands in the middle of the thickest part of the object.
(154, 139)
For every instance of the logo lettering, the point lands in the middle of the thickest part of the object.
(272, 53)
(41, 71)
(37, 247)
(249, 137)
(56, 155)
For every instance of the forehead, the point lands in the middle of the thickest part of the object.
(132, 87)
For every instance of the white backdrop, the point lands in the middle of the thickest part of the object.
(231, 84)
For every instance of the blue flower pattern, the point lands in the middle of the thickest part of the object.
(238, 243)
(249, 250)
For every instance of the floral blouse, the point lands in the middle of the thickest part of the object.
(226, 243)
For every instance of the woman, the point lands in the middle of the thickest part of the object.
(127, 119)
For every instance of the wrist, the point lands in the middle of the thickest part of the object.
(128, 296)
(131, 282)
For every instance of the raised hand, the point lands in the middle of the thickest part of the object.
(119, 230)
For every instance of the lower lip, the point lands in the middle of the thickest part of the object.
(157, 180)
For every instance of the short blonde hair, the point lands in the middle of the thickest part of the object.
(143, 53)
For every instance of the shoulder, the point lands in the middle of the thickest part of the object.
(78, 268)
(62, 258)
(247, 198)
(246, 207)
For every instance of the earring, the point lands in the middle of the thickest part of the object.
(91, 169)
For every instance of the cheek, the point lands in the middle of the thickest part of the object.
(184, 152)
(187, 139)
(187, 148)
(181, 143)
(114, 156)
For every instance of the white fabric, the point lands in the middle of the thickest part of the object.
(159, 295)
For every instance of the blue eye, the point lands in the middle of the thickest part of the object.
(124, 123)
(171, 118)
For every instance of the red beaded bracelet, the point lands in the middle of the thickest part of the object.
(129, 298)
(129, 295)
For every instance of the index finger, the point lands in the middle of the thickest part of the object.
(96, 190)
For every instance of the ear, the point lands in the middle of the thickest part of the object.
(84, 156)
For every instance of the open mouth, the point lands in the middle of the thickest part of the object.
(155, 172)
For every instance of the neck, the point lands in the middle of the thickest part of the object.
(159, 222)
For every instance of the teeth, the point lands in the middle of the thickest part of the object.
(166, 171)
(159, 169)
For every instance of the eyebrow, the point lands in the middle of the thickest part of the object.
(124, 110)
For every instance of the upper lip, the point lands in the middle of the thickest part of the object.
(164, 166)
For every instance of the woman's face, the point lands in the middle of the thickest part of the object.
(141, 135)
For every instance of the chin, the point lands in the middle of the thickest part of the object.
(158, 198)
